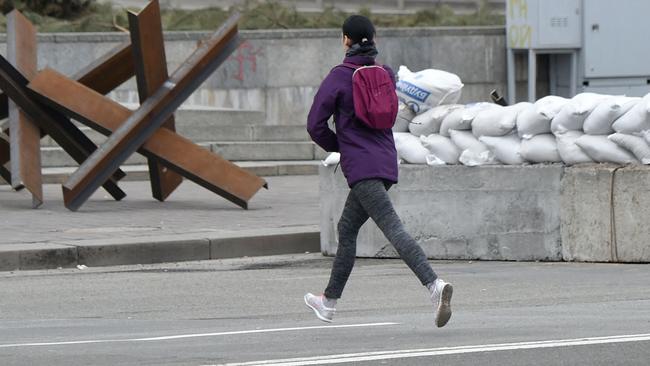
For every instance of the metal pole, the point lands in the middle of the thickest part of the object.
(574, 72)
(512, 84)
(532, 74)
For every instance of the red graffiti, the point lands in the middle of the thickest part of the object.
(246, 53)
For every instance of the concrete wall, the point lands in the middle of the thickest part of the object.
(456, 212)
(536, 212)
(278, 72)
(606, 214)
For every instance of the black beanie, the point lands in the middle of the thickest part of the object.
(359, 29)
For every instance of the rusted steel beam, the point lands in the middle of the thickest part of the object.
(110, 71)
(4, 106)
(59, 127)
(5, 153)
(146, 120)
(194, 162)
(151, 73)
(4, 157)
(25, 139)
(103, 75)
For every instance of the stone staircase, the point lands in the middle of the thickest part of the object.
(239, 136)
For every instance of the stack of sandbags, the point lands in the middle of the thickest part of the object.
(428, 88)
(584, 129)
(587, 128)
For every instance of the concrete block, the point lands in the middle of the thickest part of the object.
(109, 252)
(281, 133)
(632, 214)
(56, 157)
(264, 150)
(36, 256)
(271, 242)
(300, 168)
(457, 212)
(319, 153)
(289, 105)
(202, 133)
(253, 99)
(586, 213)
(188, 117)
(94, 136)
(265, 170)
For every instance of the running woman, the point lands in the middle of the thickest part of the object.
(369, 163)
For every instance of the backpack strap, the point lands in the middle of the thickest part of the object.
(356, 67)
(350, 65)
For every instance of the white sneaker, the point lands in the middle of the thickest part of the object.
(441, 298)
(316, 304)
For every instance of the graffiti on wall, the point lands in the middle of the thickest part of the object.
(520, 33)
(246, 59)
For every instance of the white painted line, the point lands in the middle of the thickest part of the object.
(398, 354)
(198, 335)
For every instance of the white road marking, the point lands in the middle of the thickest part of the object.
(198, 335)
(398, 354)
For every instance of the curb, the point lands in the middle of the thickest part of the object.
(160, 249)
(141, 172)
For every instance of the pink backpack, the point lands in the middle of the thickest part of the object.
(373, 92)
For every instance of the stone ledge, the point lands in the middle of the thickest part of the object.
(270, 34)
(535, 212)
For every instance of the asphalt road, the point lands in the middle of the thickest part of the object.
(251, 311)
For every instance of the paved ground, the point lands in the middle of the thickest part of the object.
(290, 201)
(193, 224)
(251, 310)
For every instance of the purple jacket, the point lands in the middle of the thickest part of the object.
(365, 152)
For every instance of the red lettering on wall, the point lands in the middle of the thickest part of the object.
(246, 53)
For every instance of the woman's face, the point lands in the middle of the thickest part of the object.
(347, 42)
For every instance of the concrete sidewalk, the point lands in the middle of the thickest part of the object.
(193, 224)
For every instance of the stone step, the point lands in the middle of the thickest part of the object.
(201, 132)
(268, 150)
(141, 172)
(235, 151)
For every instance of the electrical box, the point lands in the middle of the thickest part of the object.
(543, 24)
(593, 45)
(616, 39)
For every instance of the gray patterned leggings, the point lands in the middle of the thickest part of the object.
(369, 198)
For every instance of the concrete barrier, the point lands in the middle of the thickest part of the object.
(535, 212)
(606, 214)
(278, 72)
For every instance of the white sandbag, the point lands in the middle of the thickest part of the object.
(495, 121)
(474, 152)
(570, 152)
(531, 122)
(551, 105)
(600, 120)
(433, 160)
(464, 139)
(332, 159)
(603, 150)
(404, 116)
(636, 145)
(540, 149)
(428, 122)
(505, 148)
(645, 134)
(637, 119)
(427, 88)
(409, 148)
(454, 121)
(472, 110)
(573, 114)
(477, 157)
(441, 147)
